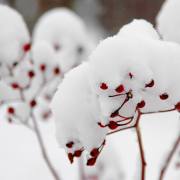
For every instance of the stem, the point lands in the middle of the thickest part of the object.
(141, 149)
(43, 149)
(169, 158)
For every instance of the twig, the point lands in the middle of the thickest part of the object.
(169, 158)
(142, 155)
(43, 149)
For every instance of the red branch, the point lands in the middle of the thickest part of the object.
(169, 158)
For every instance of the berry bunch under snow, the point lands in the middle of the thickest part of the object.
(22, 80)
(58, 47)
(65, 34)
(127, 75)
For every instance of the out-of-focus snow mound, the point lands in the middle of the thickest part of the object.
(13, 35)
(168, 20)
(66, 33)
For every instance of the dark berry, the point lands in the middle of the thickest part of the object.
(112, 125)
(56, 71)
(15, 85)
(119, 89)
(94, 152)
(33, 103)
(141, 104)
(70, 144)
(78, 153)
(91, 162)
(104, 86)
(27, 47)
(151, 84)
(42, 67)
(70, 157)
(164, 96)
(31, 74)
(10, 110)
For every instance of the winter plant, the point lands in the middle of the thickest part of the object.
(129, 75)
(30, 70)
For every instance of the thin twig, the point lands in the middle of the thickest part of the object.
(43, 149)
(169, 158)
(142, 155)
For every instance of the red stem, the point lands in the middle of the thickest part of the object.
(169, 158)
(142, 154)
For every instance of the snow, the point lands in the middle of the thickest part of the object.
(125, 71)
(168, 23)
(117, 56)
(78, 116)
(13, 35)
(24, 162)
(70, 45)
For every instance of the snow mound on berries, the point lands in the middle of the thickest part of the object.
(13, 35)
(139, 27)
(168, 22)
(128, 74)
(76, 111)
(135, 63)
(66, 33)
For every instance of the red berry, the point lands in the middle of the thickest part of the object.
(70, 144)
(119, 89)
(33, 103)
(78, 153)
(112, 125)
(91, 162)
(42, 67)
(10, 110)
(70, 157)
(130, 75)
(141, 104)
(164, 96)
(27, 47)
(104, 86)
(177, 106)
(15, 85)
(94, 152)
(151, 84)
(56, 71)
(31, 74)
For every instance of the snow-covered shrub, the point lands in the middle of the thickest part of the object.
(22, 80)
(61, 41)
(127, 75)
(66, 34)
(168, 20)
(14, 39)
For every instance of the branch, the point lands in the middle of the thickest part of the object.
(43, 149)
(141, 149)
(169, 158)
